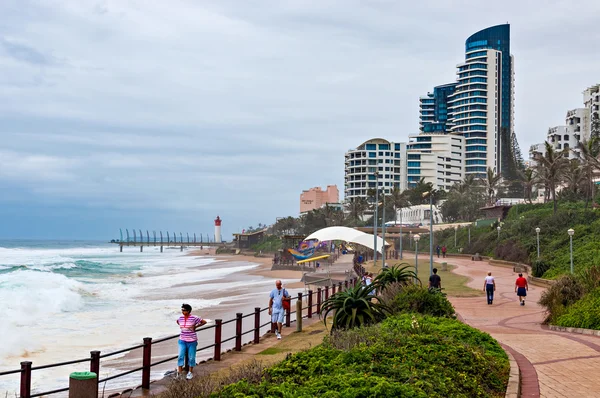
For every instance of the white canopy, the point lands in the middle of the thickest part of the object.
(346, 234)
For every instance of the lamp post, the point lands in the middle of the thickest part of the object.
(400, 233)
(469, 229)
(571, 232)
(375, 219)
(417, 238)
(498, 228)
(410, 236)
(537, 231)
(430, 194)
(455, 231)
(383, 231)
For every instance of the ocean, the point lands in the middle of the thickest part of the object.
(61, 299)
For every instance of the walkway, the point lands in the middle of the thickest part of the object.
(552, 364)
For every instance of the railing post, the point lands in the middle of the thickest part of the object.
(25, 379)
(319, 296)
(238, 331)
(218, 327)
(326, 292)
(340, 287)
(332, 289)
(146, 361)
(310, 303)
(95, 363)
(256, 325)
(299, 313)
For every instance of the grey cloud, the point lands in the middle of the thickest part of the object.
(24, 53)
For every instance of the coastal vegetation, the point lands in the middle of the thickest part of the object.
(517, 239)
(574, 300)
(405, 355)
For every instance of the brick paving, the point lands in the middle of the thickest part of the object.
(552, 364)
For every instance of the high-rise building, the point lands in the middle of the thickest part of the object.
(591, 100)
(375, 155)
(315, 198)
(435, 158)
(433, 109)
(482, 105)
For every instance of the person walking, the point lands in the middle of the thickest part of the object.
(435, 281)
(188, 339)
(437, 249)
(489, 287)
(276, 299)
(521, 288)
(444, 251)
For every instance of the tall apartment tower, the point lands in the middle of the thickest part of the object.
(375, 155)
(433, 109)
(482, 106)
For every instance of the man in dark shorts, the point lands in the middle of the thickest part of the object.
(435, 282)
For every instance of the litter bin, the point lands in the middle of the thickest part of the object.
(83, 385)
(444, 266)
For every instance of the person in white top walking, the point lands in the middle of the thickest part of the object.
(489, 286)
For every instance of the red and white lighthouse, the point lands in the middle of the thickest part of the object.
(218, 230)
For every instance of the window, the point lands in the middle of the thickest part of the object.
(384, 147)
(414, 164)
(372, 154)
(413, 156)
(371, 147)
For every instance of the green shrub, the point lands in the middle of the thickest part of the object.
(539, 267)
(565, 292)
(356, 306)
(423, 301)
(447, 359)
(585, 313)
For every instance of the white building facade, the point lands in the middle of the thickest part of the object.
(375, 155)
(437, 158)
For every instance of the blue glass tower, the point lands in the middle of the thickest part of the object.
(433, 109)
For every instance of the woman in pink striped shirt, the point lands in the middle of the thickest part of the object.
(188, 340)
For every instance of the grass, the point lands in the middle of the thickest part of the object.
(454, 285)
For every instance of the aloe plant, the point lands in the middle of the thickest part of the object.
(356, 306)
(397, 274)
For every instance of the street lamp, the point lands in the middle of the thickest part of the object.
(571, 232)
(396, 213)
(430, 194)
(417, 237)
(455, 231)
(410, 238)
(498, 228)
(375, 219)
(383, 230)
(537, 231)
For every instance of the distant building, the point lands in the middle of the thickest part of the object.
(436, 158)
(418, 215)
(315, 198)
(433, 109)
(591, 100)
(480, 105)
(375, 155)
(575, 130)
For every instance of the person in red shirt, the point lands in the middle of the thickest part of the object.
(521, 288)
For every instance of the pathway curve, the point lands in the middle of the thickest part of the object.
(552, 364)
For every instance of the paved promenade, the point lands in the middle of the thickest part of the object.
(553, 364)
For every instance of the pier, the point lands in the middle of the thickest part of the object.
(171, 240)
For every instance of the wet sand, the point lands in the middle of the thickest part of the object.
(240, 292)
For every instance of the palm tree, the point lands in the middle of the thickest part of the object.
(575, 177)
(492, 184)
(551, 166)
(528, 179)
(356, 306)
(398, 201)
(589, 155)
(357, 208)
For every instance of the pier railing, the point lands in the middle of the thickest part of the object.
(313, 306)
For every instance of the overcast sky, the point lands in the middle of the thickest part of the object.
(161, 115)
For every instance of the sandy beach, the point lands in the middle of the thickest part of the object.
(239, 292)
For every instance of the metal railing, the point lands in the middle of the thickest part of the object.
(26, 370)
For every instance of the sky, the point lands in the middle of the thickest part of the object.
(161, 115)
